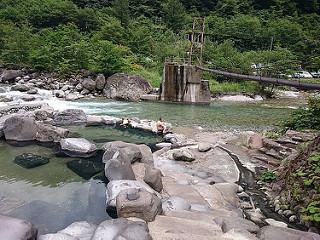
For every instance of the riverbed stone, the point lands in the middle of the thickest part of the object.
(29, 160)
(255, 141)
(70, 117)
(115, 187)
(14, 229)
(275, 223)
(84, 168)
(20, 128)
(153, 178)
(78, 147)
(175, 203)
(20, 88)
(138, 203)
(238, 234)
(271, 233)
(120, 229)
(183, 155)
(131, 150)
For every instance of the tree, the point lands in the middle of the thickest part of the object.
(121, 9)
(175, 15)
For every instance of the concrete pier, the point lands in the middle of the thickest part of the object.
(182, 83)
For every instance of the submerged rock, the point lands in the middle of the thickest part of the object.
(84, 168)
(29, 160)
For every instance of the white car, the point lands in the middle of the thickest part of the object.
(302, 74)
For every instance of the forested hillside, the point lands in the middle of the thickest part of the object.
(108, 36)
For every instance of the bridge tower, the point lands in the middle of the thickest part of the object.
(197, 41)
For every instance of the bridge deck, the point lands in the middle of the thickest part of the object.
(276, 81)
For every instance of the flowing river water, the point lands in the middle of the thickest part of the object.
(58, 193)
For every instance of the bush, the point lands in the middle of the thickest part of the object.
(305, 118)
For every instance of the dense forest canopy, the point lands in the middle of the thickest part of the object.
(109, 36)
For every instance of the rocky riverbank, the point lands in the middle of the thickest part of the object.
(185, 190)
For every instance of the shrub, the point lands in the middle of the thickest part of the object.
(305, 118)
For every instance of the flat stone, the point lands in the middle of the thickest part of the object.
(272, 233)
(275, 223)
(175, 203)
(229, 223)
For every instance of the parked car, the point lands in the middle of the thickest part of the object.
(302, 74)
(315, 75)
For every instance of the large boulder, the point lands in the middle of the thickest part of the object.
(138, 203)
(100, 81)
(80, 230)
(133, 151)
(78, 147)
(115, 187)
(20, 128)
(14, 229)
(69, 117)
(120, 229)
(89, 84)
(280, 233)
(118, 165)
(10, 75)
(153, 178)
(126, 87)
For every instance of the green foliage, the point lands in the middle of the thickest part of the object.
(175, 15)
(305, 118)
(312, 212)
(268, 176)
(315, 157)
(121, 10)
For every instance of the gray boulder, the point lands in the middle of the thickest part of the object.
(49, 133)
(280, 233)
(118, 165)
(10, 75)
(57, 236)
(126, 87)
(28, 98)
(120, 229)
(175, 203)
(138, 203)
(183, 155)
(153, 178)
(78, 147)
(89, 84)
(20, 128)
(100, 81)
(133, 152)
(16, 229)
(69, 117)
(115, 187)
(20, 88)
(33, 91)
